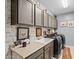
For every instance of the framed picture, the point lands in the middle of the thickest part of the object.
(70, 24)
(38, 32)
(64, 24)
(22, 33)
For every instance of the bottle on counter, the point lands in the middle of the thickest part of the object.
(27, 41)
(24, 43)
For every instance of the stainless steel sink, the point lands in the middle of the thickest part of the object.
(43, 40)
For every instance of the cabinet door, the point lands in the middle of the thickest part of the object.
(38, 16)
(50, 21)
(45, 19)
(51, 49)
(25, 12)
(54, 22)
(37, 55)
(47, 54)
(40, 56)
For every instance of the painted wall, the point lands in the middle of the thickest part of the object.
(68, 32)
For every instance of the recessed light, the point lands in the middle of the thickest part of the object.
(65, 3)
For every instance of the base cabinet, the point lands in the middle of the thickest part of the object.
(36, 55)
(48, 49)
(44, 53)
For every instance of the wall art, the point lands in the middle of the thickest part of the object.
(22, 33)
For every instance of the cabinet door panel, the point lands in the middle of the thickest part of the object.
(54, 22)
(51, 49)
(36, 55)
(45, 19)
(39, 57)
(50, 21)
(38, 16)
(25, 12)
(29, 13)
(47, 54)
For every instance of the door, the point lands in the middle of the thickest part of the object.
(38, 16)
(36, 55)
(50, 21)
(25, 12)
(47, 54)
(45, 19)
(51, 49)
(39, 57)
(54, 22)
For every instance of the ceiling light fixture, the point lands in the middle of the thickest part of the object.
(65, 3)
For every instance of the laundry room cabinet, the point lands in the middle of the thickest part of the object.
(54, 22)
(50, 21)
(45, 19)
(22, 12)
(45, 52)
(48, 51)
(37, 55)
(38, 16)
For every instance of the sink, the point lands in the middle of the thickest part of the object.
(43, 40)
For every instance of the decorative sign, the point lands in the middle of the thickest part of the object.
(67, 24)
(22, 33)
(63, 24)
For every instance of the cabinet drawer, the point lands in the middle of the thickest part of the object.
(36, 54)
(22, 12)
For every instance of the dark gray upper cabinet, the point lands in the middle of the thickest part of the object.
(45, 19)
(38, 16)
(22, 12)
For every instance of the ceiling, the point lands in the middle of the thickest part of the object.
(56, 6)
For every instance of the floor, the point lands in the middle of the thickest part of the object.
(71, 50)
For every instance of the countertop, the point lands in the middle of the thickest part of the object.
(31, 48)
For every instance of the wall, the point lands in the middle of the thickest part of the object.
(68, 32)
